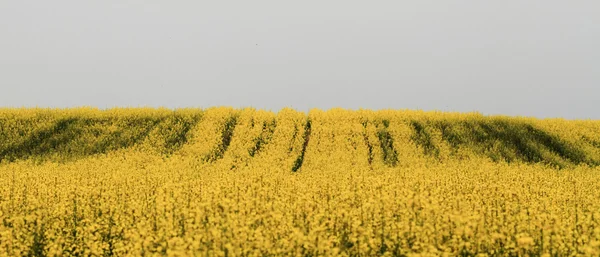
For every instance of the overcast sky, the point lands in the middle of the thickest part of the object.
(527, 58)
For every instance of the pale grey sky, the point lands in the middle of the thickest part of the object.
(529, 58)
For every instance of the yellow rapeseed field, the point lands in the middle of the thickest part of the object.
(246, 182)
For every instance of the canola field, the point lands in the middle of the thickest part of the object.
(246, 182)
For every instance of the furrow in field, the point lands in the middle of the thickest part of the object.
(253, 131)
(210, 138)
(337, 136)
(281, 143)
(300, 160)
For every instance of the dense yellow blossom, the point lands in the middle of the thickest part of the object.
(246, 182)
